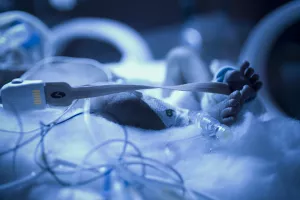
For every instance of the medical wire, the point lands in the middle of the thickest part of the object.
(137, 179)
(125, 141)
(49, 169)
(27, 178)
(129, 163)
(32, 138)
(79, 169)
(60, 122)
(51, 123)
(106, 172)
(21, 181)
(46, 128)
(19, 139)
(180, 178)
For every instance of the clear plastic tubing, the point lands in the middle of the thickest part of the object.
(10, 16)
(14, 37)
(212, 128)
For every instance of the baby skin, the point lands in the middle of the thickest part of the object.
(144, 111)
(245, 84)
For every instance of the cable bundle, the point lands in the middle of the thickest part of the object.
(135, 174)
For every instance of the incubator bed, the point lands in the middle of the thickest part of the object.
(69, 152)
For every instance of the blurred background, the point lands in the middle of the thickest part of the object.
(159, 21)
(224, 26)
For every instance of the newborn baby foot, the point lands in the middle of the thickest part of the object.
(237, 79)
(245, 84)
(232, 105)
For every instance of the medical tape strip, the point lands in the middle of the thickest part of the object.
(61, 94)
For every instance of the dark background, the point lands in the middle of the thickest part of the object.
(143, 14)
(149, 17)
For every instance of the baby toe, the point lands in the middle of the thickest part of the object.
(229, 120)
(235, 95)
(257, 85)
(249, 72)
(254, 78)
(244, 66)
(233, 103)
(229, 112)
(247, 93)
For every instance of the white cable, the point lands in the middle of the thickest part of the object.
(129, 42)
(22, 181)
(261, 41)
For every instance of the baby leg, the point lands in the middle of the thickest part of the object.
(185, 66)
(227, 110)
(244, 83)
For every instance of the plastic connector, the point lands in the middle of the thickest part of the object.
(212, 127)
(20, 95)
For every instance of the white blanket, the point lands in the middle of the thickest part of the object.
(261, 162)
